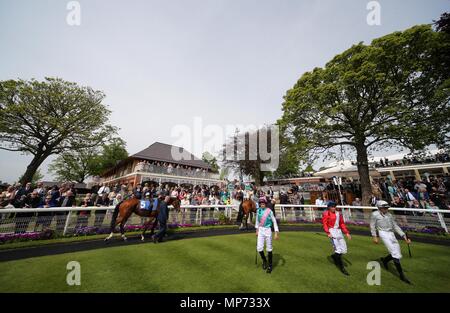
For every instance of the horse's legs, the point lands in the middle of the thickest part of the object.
(143, 230)
(122, 231)
(122, 221)
(243, 218)
(114, 221)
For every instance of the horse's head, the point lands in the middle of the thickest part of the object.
(175, 202)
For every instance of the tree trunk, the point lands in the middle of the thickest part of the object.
(363, 171)
(33, 167)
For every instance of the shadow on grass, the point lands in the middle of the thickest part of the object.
(278, 260)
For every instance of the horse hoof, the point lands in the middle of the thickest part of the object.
(142, 238)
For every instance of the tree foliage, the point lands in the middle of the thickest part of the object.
(211, 160)
(393, 92)
(74, 165)
(48, 117)
(110, 154)
(79, 165)
(246, 153)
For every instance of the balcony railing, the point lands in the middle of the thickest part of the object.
(164, 170)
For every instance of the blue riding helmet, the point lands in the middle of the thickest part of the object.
(331, 204)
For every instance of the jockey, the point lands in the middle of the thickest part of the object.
(334, 226)
(146, 204)
(264, 221)
(383, 222)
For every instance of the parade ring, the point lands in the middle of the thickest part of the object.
(85, 245)
(220, 260)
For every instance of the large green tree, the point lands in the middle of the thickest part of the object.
(74, 165)
(393, 92)
(48, 117)
(110, 154)
(80, 164)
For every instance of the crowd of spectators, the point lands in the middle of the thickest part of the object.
(169, 168)
(411, 159)
(431, 193)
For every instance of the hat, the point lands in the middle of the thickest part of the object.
(382, 204)
(262, 200)
(331, 204)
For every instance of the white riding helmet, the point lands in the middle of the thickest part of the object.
(382, 204)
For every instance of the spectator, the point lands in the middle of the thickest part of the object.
(45, 218)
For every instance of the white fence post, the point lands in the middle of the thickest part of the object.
(441, 220)
(66, 225)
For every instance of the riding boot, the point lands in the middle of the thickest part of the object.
(334, 257)
(386, 260)
(263, 257)
(341, 264)
(400, 271)
(269, 268)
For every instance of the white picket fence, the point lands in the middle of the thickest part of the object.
(78, 220)
(416, 219)
(70, 221)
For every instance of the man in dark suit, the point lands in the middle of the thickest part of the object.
(67, 200)
(162, 220)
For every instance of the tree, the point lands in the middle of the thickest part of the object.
(289, 164)
(79, 165)
(111, 153)
(211, 160)
(393, 92)
(246, 150)
(37, 176)
(74, 165)
(48, 117)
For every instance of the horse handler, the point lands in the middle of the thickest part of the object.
(162, 218)
(334, 226)
(264, 221)
(383, 222)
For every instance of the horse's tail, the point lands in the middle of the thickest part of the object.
(114, 216)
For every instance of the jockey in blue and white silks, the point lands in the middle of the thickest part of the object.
(264, 222)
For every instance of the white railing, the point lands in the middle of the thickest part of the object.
(405, 217)
(81, 220)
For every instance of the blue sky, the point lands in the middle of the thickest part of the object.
(161, 63)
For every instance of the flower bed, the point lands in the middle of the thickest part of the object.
(46, 234)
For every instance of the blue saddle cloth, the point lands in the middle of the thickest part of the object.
(149, 205)
(146, 205)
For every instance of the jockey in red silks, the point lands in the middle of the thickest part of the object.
(334, 226)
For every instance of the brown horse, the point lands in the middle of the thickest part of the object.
(246, 210)
(123, 211)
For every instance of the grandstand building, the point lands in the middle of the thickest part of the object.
(157, 164)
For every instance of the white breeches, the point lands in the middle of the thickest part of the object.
(264, 235)
(338, 241)
(391, 243)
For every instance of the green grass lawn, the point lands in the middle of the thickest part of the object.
(226, 264)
